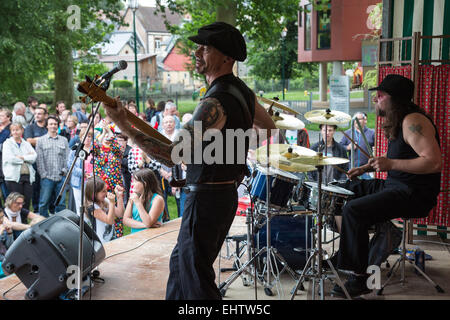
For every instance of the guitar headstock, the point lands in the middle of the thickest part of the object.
(94, 90)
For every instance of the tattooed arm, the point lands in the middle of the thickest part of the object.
(209, 112)
(419, 133)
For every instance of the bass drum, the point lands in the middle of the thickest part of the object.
(288, 231)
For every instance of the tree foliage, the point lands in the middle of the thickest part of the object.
(261, 22)
(35, 39)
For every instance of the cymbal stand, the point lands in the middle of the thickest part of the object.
(272, 255)
(272, 252)
(314, 265)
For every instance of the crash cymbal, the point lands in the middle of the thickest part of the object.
(319, 160)
(289, 122)
(276, 104)
(280, 156)
(282, 163)
(283, 149)
(328, 116)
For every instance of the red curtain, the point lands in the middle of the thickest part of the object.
(434, 97)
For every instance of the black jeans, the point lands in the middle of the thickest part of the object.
(23, 187)
(207, 217)
(375, 201)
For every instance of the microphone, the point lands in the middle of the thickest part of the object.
(122, 65)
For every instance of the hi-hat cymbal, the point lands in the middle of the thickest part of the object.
(280, 156)
(328, 116)
(289, 122)
(276, 104)
(319, 160)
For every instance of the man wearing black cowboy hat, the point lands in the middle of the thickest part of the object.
(413, 165)
(211, 200)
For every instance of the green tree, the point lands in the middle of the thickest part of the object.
(89, 66)
(258, 20)
(261, 22)
(40, 36)
(24, 55)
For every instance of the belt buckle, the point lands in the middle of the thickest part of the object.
(186, 190)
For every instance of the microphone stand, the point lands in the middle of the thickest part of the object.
(81, 154)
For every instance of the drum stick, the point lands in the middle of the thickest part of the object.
(339, 168)
(361, 149)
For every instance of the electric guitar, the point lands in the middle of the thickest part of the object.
(98, 94)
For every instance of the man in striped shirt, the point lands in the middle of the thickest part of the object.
(52, 152)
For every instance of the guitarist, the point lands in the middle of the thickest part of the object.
(212, 199)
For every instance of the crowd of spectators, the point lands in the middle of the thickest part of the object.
(123, 185)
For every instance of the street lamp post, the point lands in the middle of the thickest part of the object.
(283, 49)
(133, 4)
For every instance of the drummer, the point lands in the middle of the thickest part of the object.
(334, 149)
(413, 164)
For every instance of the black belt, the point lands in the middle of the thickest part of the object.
(203, 187)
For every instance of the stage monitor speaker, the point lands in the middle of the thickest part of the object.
(41, 255)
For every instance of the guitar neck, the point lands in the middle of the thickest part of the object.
(145, 128)
(96, 93)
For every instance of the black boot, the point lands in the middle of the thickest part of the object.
(355, 285)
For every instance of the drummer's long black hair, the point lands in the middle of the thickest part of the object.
(395, 113)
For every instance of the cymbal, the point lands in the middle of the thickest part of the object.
(283, 149)
(276, 104)
(282, 163)
(276, 117)
(289, 122)
(331, 117)
(319, 160)
(280, 156)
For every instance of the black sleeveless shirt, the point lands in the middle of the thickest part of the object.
(398, 149)
(226, 170)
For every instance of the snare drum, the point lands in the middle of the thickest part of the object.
(333, 197)
(281, 186)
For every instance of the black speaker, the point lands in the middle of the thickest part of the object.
(41, 255)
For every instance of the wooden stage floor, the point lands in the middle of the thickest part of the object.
(136, 267)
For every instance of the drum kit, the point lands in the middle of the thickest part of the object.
(281, 194)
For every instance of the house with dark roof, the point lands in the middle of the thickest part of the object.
(151, 27)
(159, 59)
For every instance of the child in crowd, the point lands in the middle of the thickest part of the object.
(146, 208)
(107, 157)
(101, 207)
